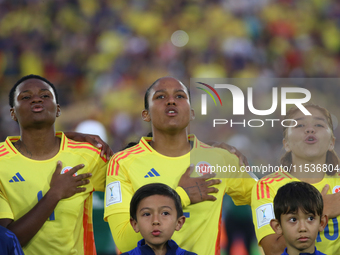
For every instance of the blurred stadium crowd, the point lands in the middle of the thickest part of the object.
(103, 54)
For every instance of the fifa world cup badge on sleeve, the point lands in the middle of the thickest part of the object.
(264, 214)
(113, 193)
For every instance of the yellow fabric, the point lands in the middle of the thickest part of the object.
(118, 221)
(134, 167)
(262, 199)
(184, 197)
(69, 228)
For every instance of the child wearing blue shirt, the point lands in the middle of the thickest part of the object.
(298, 208)
(9, 243)
(156, 212)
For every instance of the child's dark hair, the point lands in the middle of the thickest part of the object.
(31, 76)
(154, 189)
(147, 92)
(297, 195)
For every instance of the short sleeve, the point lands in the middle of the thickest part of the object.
(5, 208)
(262, 210)
(118, 194)
(118, 190)
(185, 200)
(238, 183)
(98, 170)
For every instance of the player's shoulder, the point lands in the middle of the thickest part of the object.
(214, 157)
(219, 154)
(7, 149)
(80, 147)
(83, 149)
(276, 178)
(214, 150)
(277, 175)
(129, 154)
(333, 180)
(267, 186)
(202, 145)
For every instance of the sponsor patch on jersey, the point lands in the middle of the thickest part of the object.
(264, 214)
(113, 193)
(202, 168)
(66, 169)
(336, 189)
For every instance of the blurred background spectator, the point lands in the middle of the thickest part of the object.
(103, 54)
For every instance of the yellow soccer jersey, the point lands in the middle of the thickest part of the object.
(140, 165)
(263, 210)
(23, 182)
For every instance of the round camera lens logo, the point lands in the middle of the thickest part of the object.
(66, 169)
(336, 189)
(203, 168)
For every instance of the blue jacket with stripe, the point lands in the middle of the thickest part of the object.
(144, 249)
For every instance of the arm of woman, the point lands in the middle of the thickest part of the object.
(124, 236)
(262, 197)
(273, 244)
(118, 193)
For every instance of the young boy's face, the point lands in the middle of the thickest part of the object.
(299, 230)
(157, 220)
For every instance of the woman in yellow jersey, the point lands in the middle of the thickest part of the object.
(309, 157)
(46, 190)
(165, 158)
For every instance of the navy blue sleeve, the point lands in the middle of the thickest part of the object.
(9, 243)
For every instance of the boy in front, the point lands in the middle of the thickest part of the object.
(298, 208)
(156, 212)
